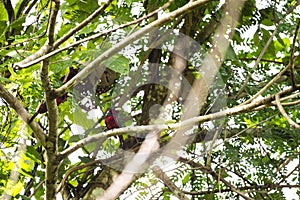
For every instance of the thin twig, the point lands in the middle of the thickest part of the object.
(292, 65)
(198, 119)
(82, 24)
(281, 73)
(263, 51)
(209, 171)
(37, 188)
(267, 85)
(262, 60)
(25, 116)
(285, 115)
(254, 187)
(291, 172)
(38, 56)
(73, 169)
(212, 143)
(296, 95)
(169, 183)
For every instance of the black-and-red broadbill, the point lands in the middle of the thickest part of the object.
(111, 122)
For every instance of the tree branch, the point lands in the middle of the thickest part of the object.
(254, 187)
(82, 24)
(52, 140)
(263, 51)
(37, 188)
(267, 85)
(282, 111)
(22, 8)
(208, 170)
(40, 55)
(30, 7)
(292, 56)
(169, 183)
(138, 34)
(291, 172)
(25, 116)
(199, 119)
(50, 100)
(292, 103)
(262, 60)
(10, 10)
(52, 20)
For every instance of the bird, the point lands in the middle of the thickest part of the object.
(59, 100)
(43, 107)
(111, 122)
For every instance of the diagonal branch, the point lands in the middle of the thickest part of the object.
(260, 188)
(79, 167)
(292, 65)
(30, 6)
(10, 10)
(82, 24)
(268, 85)
(22, 8)
(25, 116)
(52, 20)
(169, 183)
(282, 111)
(136, 35)
(263, 51)
(216, 176)
(39, 55)
(198, 119)
(291, 172)
(291, 103)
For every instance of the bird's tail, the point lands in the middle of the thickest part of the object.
(33, 116)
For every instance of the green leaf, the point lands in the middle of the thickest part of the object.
(230, 54)
(13, 189)
(39, 193)
(90, 147)
(73, 182)
(267, 22)
(81, 119)
(64, 29)
(2, 79)
(85, 159)
(33, 154)
(25, 197)
(3, 13)
(118, 63)
(75, 138)
(209, 196)
(3, 27)
(186, 178)
(18, 23)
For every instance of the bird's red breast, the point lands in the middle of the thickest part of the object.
(111, 120)
(61, 99)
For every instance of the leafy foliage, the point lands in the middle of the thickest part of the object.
(257, 153)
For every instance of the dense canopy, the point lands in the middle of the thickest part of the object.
(126, 99)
